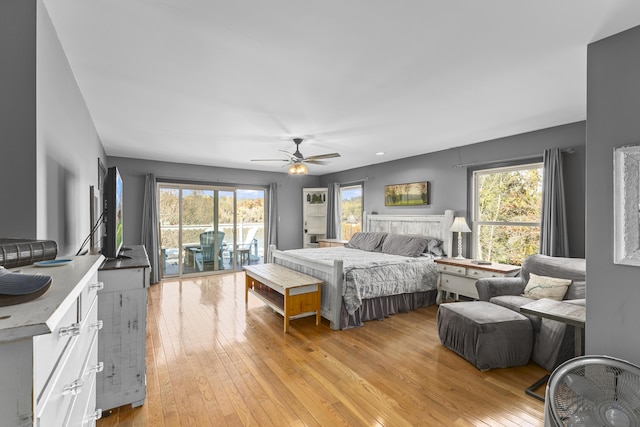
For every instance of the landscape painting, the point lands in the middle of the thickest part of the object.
(413, 194)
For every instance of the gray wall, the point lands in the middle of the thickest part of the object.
(613, 291)
(448, 183)
(68, 146)
(289, 192)
(18, 118)
(50, 146)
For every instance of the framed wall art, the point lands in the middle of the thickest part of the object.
(412, 194)
(626, 205)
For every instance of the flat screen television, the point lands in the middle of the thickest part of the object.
(112, 198)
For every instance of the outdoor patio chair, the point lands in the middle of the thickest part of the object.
(211, 242)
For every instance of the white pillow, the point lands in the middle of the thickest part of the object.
(546, 287)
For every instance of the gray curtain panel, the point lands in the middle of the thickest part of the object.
(150, 238)
(272, 226)
(334, 230)
(554, 240)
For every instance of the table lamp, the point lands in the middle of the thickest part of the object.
(460, 226)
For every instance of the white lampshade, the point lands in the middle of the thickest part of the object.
(298, 169)
(351, 219)
(460, 225)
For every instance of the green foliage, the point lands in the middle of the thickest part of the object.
(508, 244)
(353, 207)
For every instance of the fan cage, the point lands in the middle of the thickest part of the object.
(599, 389)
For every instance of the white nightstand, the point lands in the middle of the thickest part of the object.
(459, 276)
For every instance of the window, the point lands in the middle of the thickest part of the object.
(351, 210)
(507, 206)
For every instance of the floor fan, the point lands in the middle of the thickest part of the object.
(593, 391)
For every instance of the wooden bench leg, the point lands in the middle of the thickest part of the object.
(248, 281)
(318, 306)
(286, 311)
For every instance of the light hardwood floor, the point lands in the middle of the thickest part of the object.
(213, 361)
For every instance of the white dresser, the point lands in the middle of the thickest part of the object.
(459, 276)
(49, 350)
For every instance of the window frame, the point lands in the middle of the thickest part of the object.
(472, 205)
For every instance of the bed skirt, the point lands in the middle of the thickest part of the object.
(380, 307)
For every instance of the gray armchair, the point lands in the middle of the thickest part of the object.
(553, 342)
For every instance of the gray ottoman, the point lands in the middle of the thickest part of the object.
(487, 335)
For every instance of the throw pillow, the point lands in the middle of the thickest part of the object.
(546, 287)
(367, 241)
(404, 245)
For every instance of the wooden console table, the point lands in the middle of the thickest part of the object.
(288, 292)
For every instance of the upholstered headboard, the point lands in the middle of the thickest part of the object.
(426, 225)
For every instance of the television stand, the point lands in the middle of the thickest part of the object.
(122, 305)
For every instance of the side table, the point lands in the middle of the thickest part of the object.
(459, 276)
(561, 311)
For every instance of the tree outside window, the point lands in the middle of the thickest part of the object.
(506, 213)
(351, 210)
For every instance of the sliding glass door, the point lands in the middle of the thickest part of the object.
(205, 229)
(250, 229)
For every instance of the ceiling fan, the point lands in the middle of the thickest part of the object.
(297, 160)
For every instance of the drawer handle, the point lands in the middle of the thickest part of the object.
(475, 272)
(71, 330)
(97, 325)
(96, 286)
(73, 388)
(95, 416)
(97, 368)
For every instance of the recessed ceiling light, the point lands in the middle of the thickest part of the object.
(380, 153)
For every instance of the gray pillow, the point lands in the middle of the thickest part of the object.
(437, 251)
(405, 245)
(434, 246)
(367, 241)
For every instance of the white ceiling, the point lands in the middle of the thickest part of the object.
(223, 82)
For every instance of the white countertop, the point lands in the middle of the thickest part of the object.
(41, 315)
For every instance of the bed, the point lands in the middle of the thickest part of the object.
(361, 285)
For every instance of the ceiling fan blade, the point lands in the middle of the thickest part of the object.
(269, 160)
(315, 162)
(291, 156)
(323, 156)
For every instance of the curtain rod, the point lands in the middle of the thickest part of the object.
(512, 159)
(353, 181)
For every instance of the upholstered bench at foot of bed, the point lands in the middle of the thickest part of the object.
(487, 335)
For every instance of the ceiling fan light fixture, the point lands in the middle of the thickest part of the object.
(298, 169)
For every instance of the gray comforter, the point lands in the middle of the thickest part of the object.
(374, 274)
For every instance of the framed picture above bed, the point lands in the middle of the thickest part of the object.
(411, 194)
